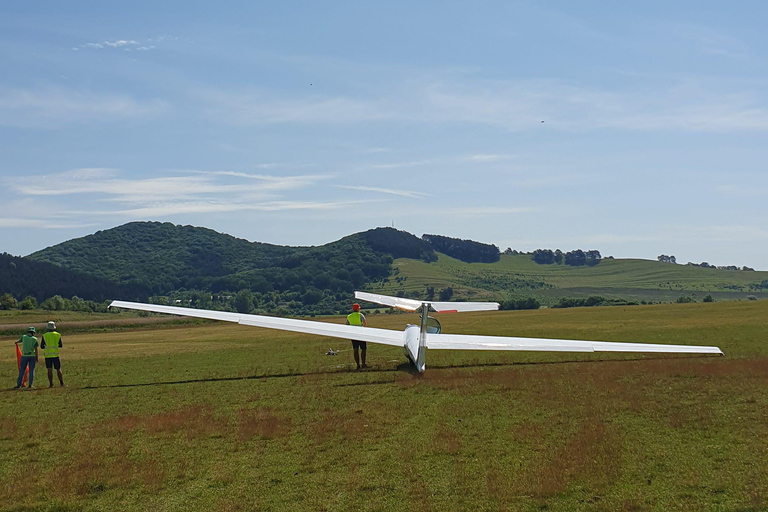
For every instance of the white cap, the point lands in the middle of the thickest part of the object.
(51, 325)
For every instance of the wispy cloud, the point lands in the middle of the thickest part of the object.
(399, 165)
(710, 40)
(106, 184)
(54, 107)
(463, 212)
(403, 193)
(165, 210)
(513, 105)
(271, 182)
(719, 233)
(485, 158)
(483, 211)
(122, 44)
(10, 222)
(259, 108)
(741, 191)
(164, 196)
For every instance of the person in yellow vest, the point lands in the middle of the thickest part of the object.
(29, 357)
(51, 345)
(357, 318)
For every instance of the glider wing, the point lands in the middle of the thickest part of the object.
(374, 335)
(471, 342)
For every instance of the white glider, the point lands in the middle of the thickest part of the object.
(415, 339)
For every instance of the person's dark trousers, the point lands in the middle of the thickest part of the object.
(23, 363)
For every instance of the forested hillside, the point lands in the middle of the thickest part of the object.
(22, 277)
(467, 251)
(206, 267)
(188, 265)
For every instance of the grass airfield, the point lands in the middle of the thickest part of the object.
(215, 416)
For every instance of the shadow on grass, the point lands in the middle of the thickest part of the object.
(405, 367)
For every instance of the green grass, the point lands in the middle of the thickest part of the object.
(519, 275)
(222, 417)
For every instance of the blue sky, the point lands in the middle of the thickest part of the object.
(635, 130)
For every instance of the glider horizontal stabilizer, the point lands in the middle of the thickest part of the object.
(413, 305)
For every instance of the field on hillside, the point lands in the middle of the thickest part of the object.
(215, 416)
(518, 275)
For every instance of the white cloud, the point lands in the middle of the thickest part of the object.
(254, 109)
(485, 158)
(403, 193)
(513, 105)
(164, 210)
(53, 107)
(119, 43)
(741, 191)
(270, 182)
(719, 233)
(484, 211)
(398, 165)
(709, 40)
(8, 222)
(192, 192)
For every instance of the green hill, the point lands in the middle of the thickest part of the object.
(23, 277)
(191, 263)
(519, 275)
(202, 267)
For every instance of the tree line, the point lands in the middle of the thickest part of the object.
(572, 258)
(663, 258)
(467, 251)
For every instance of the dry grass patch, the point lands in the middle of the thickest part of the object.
(261, 422)
(590, 457)
(99, 465)
(446, 440)
(8, 429)
(332, 425)
(192, 421)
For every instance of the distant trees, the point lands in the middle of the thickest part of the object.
(20, 277)
(399, 244)
(518, 304)
(704, 264)
(28, 302)
(573, 258)
(55, 303)
(592, 300)
(543, 256)
(244, 301)
(467, 251)
(666, 259)
(7, 301)
(446, 294)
